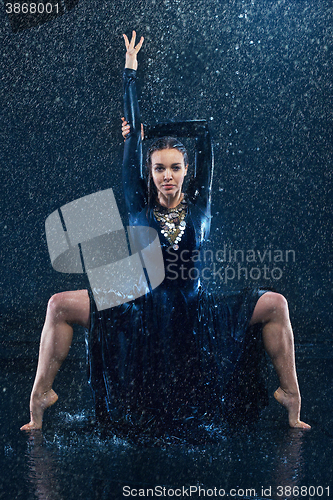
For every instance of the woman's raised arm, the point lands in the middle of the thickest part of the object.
(134, 186)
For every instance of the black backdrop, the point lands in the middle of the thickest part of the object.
(259, 71)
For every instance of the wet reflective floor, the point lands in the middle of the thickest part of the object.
(70, 459)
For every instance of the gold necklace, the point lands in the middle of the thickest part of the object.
(172, 222)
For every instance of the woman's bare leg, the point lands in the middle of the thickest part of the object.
(272, 311)
(64, 309)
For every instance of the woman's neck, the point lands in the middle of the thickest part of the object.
(168, 201)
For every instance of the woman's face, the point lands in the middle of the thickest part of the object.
(168, 171)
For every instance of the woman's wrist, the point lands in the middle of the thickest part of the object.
(131, 64)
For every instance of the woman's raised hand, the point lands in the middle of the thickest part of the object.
(132, 51)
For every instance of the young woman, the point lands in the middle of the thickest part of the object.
(177, 356)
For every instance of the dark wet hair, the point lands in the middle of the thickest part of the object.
(159, 145)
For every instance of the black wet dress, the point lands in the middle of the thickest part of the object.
(179, 358)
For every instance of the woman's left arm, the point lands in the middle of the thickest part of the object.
(133, 182)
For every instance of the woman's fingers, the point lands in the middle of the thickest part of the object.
(125, 124)
(139, 45)
(126, 41)
(125, 128)
(130, 45)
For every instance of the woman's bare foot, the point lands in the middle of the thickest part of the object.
(38, 404)
(292, 402)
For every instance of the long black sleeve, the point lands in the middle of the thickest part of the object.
(134, 186)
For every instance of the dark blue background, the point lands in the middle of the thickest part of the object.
(260, 72)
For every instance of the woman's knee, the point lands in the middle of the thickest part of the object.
(71, 307)
(57, 305)
(271, 306)
(276, 302)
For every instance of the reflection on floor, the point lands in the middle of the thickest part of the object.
(70, 460)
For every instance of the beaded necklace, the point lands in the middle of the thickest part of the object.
(172, 222)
